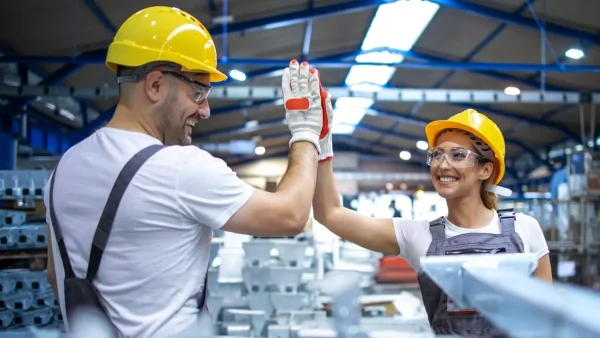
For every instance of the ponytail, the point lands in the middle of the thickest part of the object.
(489, 199)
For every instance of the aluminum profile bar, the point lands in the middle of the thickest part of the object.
(502, 289)
(385, 94)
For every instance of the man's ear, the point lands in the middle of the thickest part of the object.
(155, 86)
(486, 171)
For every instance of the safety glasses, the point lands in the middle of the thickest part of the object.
(456, 157)
(202, 90)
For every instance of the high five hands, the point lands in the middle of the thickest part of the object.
(309, 112)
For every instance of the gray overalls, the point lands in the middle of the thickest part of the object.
(444, 316)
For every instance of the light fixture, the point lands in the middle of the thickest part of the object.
(512, 91)
(237, 75)
(260, 150)
(405, 155)
(423, 145)
(574, 53)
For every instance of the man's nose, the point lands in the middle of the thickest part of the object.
(204, 109)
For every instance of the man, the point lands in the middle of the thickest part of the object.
(394, 210)
(155, 261)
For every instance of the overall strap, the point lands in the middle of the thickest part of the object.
(57, 232)
(437, 228)
(507, 219)
(110, 210)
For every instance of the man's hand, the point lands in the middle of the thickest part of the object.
(305, 113)
(325, 142)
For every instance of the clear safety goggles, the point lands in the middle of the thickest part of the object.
(201, 90)
(456, 157)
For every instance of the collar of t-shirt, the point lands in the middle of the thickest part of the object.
(492, 227)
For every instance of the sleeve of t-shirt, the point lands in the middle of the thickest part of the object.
(208, 191)
(408, 231)
(535, 236)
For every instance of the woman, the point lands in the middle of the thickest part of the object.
(466, 162)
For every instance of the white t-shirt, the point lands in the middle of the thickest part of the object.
(414, 236)
(157, 254)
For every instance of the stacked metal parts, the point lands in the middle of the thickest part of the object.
(26, 298)
(282, 291)
(17, 234)
(23, 184)
(271, 297)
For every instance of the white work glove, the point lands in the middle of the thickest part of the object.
(326, 142)
(303, 104)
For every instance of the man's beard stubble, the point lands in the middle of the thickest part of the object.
(167, 121)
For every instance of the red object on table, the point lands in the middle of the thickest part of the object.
(393, 269)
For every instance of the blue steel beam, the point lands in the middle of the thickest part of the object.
(99, 14)
(544, 116)
(270, 22)
(266, 23)
(277, 71)
(301, 16)
(7, 51)
(471, 66)
(415, 109)
(518, 20)
(481, 46)
(539, 122)
(307, 32)
(424, 121)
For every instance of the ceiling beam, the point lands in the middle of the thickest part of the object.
(515, 19)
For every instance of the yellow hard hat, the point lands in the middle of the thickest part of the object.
(164, 34)
(479, 125)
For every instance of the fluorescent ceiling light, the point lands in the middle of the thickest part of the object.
(353, 102)
(423, 145)
(260, 150)
(405, 155)
(342, 129)
(512, 91)
(574, 53)
(365, 87)
(397, 25)
(349, 111)
(237, 75)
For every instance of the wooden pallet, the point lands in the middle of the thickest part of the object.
(34, 259)
(31, 206)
